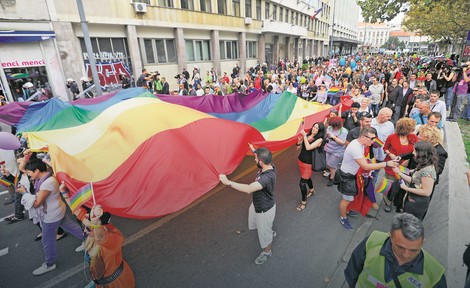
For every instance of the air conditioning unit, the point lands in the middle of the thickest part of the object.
(248, 21)
(140, 7)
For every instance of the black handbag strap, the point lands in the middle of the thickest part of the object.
(395, 277)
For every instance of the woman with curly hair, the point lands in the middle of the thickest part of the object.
(421, 181)
(308, 142)
(400, 143)
(434, 135)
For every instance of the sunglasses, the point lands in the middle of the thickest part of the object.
(371, 138)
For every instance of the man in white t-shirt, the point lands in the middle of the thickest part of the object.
(354, 159)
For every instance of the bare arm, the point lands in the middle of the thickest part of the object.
(41, 197)
(426, 190)
(246, 188)
(377, 166)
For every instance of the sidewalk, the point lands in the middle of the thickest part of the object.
(446, 225)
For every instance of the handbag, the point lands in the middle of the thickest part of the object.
(318, 160)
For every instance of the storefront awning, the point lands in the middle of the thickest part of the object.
(13, 36)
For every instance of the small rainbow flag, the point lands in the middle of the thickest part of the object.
(81, 196)
(404, 170)
(384, 186)
(5, 182)
(378, 142)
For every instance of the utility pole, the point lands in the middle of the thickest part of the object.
(89, 48)
(332, 30)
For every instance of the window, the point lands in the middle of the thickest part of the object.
(165, 3)
(251, 49)
(222, 7)
(258, 9)
(274, 12)
(164, 50)
(236, 8)
(287, 15)
(228, 50)
(248, 8)
(281, 14)
(187, 4)
(266, 11)
(205, 6)
(198, 50)
(149, 51)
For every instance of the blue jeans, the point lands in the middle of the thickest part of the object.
(449, 97)
(49, 232)
(467, 112)
(457, 109)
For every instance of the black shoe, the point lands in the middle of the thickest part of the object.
(39, 237)
(13, 219)
(330, 183)
(8, 201)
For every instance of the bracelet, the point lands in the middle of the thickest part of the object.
(65, 192)
(297, 144)
(386, 164)
(94, 226)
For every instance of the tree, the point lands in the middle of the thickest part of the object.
(438, 19)
(393, 43)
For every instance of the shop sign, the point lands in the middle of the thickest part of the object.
(23, 63)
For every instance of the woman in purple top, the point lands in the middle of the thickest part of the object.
(461, 91)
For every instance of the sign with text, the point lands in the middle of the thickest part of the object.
(16, 55)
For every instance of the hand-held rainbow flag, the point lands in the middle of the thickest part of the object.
(302, 125)
(404, 170)
(5, 182)
(378, 142)
(82, 196)
(384, 186)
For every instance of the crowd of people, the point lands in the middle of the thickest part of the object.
(35, 189)
(395, 122)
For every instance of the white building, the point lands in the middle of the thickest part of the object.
(373, 35)
(345, 32)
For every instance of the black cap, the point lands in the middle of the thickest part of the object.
(364, 114)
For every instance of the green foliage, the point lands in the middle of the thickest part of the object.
(393, 43)
(438, 19)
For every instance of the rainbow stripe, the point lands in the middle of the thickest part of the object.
(384, 186)
(131, 148)
(81, 196)
(404, 170)
(379, 142)
(5, 182)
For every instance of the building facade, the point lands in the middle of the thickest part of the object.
(344, 38)
(163, 35)
(373, 35)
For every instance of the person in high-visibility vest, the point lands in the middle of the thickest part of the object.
(395, 259)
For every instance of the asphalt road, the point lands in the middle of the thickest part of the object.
(208, 244)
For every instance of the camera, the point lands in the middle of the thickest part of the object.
(177, 76)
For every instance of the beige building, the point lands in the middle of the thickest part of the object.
(163, 35)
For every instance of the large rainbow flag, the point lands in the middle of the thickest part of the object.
(149, 156)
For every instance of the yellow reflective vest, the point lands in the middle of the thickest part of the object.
(372, 274)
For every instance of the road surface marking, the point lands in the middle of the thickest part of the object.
(3, 252)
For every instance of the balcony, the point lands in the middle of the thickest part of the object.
(276, 27)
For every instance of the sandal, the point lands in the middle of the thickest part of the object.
(301, 206)
(311, 193)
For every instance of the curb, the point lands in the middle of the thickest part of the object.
(459, 199)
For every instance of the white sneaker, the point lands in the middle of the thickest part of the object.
(43, 269)
(81, 247)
